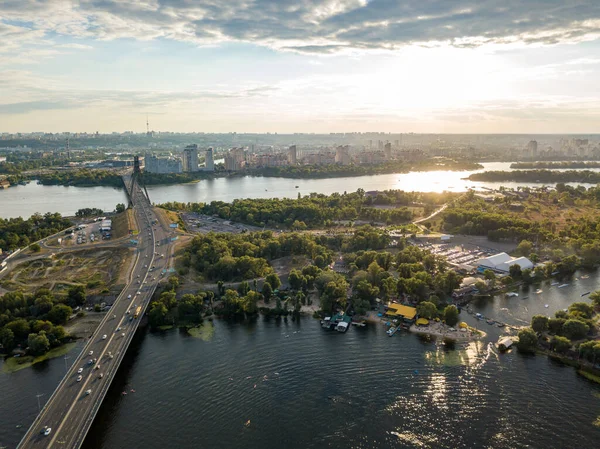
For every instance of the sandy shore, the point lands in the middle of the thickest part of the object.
(438, 329)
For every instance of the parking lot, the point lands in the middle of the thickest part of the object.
(85, 234)
(204, 224)
(457, 254)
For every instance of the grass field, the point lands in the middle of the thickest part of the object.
(13, 364)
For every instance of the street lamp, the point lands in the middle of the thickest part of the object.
(38, 396)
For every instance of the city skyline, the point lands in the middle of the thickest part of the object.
(300, 66)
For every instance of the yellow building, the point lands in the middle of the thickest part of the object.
(402, 311)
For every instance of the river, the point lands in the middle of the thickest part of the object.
(361, 389)
(26, 200)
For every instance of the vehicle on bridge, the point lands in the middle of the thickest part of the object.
(137, 311)
(46, 430)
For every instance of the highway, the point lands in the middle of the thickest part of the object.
(72, 407)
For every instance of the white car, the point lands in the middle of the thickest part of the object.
(118, 328)
(104, 337)
(79, 378)
(88, 392)
(128, 296)
(123, 334)
(91, 352)
(46, 430)
(80, 370)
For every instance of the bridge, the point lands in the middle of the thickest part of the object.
(72, 407)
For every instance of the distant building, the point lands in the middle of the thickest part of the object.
(2, 159)
(388, 150)
(532, 149)
(155, 164)
(209, 161)
(502, 262)
(292, 155)
(190, 158)
(342, 155)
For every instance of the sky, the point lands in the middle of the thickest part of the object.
(425, 66)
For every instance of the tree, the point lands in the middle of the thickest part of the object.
(120, 208)
(157, 315)
(451, 315)
(427, 310)
(515, 271)
(581, 309)
(539, 323)
(489, 275)
(173, 282)
(243, 288)
(7, 339)
(20, 328)
(524, 248)
(274, 280)
(506, 280)
(36, 248)
(267, 291)
(555, 325)
(295, 279)
(76, 295)
(575, 329)
(527, 340)
(38, 343)
(365, 291)
(595, 297)
(60, 314)
(560, 344)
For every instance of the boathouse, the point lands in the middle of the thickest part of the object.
(407, 313)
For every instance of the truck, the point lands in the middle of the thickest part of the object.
(137, 311)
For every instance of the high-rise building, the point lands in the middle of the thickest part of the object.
(532, 148)
(209, 160)
(153, 164)
(292, 155)
(190, 158)
(342, 155)
(388, 150)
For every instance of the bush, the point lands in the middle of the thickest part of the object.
(560, 344)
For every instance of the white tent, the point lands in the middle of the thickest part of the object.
(494, 261)
(522, 262)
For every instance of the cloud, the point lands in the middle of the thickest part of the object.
(75, 46)
(311, 26)
(26, 93)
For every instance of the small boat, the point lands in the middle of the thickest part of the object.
(500, 324)
(391, 331)
(525, 297)
(538, 291)
(511, 294)
(479, 316)
(554, 283)
(490, 322)
(585, 294)
(296, 186)
(546, 306)
(563, 285)
(585, 276)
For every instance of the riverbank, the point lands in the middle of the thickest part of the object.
(14, 364)
(441, 330)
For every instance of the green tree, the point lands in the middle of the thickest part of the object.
(524, 248)
(7, 339)
(243, 288)
(38, 343)
(489, 275)
(595, 297)
(274, 280)
(76, 295)
(60, 314)
(20, 328)
(515, 271)
(539, 323)
(451, 315)
(267, 291)
(555, 325)
(295, 279)
(173, 282)
(507, 280)
(157, 315)
(365, 291)
(427, 310)
(527, 340)
(575, 329)
(560, 344)
(36, 248)
(120, 208)
(581, 309)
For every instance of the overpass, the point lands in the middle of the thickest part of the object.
(72, 407)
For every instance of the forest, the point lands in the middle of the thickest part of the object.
(318, 210)
(36, 321)
(81, 178)
(18, 233)
(538, 176)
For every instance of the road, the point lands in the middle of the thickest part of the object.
(72, 407)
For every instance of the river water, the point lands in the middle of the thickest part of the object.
(361, 389)
(26, 200)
